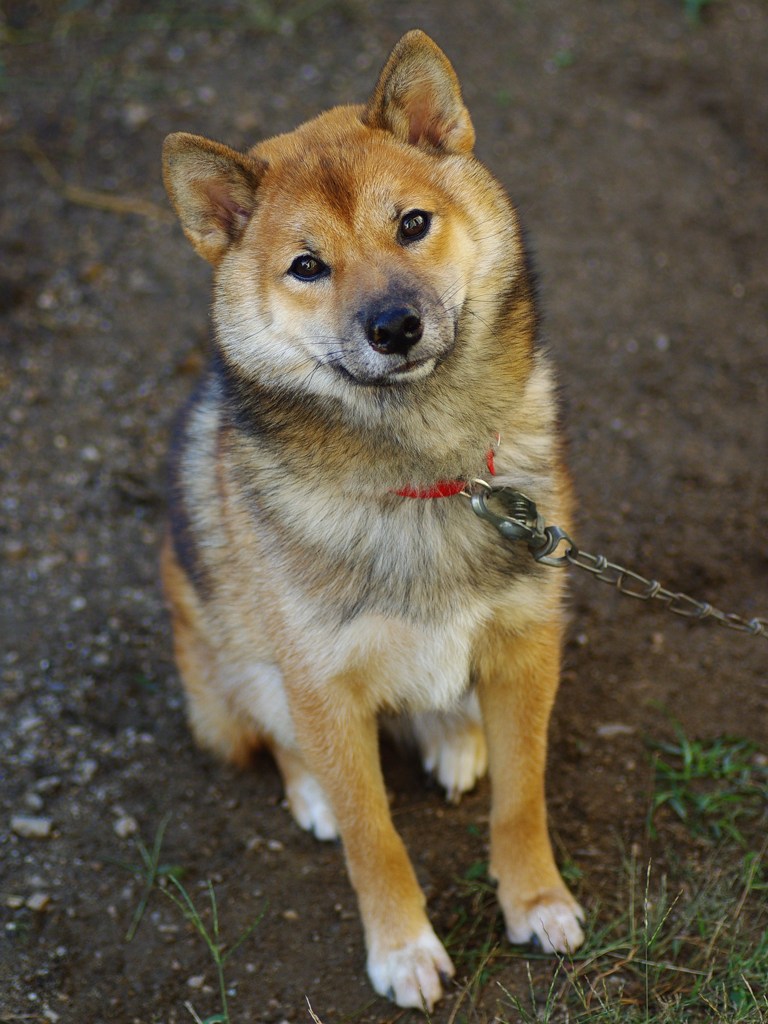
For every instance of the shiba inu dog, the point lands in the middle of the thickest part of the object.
(374, 350)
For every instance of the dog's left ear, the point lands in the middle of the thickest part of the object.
(418, 98)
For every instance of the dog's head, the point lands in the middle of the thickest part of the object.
(348, 252)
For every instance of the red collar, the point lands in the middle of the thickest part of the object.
(445, 488)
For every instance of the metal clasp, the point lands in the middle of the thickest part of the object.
(522, 522)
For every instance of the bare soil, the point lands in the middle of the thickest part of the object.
(636, 145)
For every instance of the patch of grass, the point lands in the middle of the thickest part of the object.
(686, 941)
(563, 59)
(167, 880)
(714, 787)
(213, 941)
(695, 957)
(476, 872)
(152, 873)
(475, 941)
(694, 9)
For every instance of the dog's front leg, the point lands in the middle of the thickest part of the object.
(517, 680)
(339, 742)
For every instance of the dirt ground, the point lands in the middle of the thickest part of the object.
(636, 145)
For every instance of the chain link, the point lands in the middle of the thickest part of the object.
(634, 585)
(524, 523)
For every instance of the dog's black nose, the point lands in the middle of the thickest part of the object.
(394, 330)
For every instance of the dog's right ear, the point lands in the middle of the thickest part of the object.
(213, 190)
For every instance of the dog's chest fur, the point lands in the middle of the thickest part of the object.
(325, 542)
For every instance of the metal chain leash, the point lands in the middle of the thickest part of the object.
(523, 522)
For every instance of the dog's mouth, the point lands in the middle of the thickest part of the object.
(415, 367)
(408, 371)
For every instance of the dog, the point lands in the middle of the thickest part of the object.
(375, 351)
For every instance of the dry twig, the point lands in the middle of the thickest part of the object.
(92, 198)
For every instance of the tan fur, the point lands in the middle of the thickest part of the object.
(309, 598)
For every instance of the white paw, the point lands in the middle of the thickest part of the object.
(453, 749)
(554, 922)
(457, 761)
(310, 808)
(411, 975)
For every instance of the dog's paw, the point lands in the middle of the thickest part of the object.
(411, 975)
(310, 808)
(554, 920)
(457, 760)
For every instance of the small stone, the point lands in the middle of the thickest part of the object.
(90, 453)
(14, 902)
(39, 902)
(15, 549)
(657, 642)
(196, 981)
(85, 771)
(275, 845)
(136, 114)
(29, 724)
(611, 729)
(290, 915)
(48, 784)
(30, 826)
(126, 826)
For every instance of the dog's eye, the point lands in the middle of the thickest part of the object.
(414, 225)
(307, 268)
